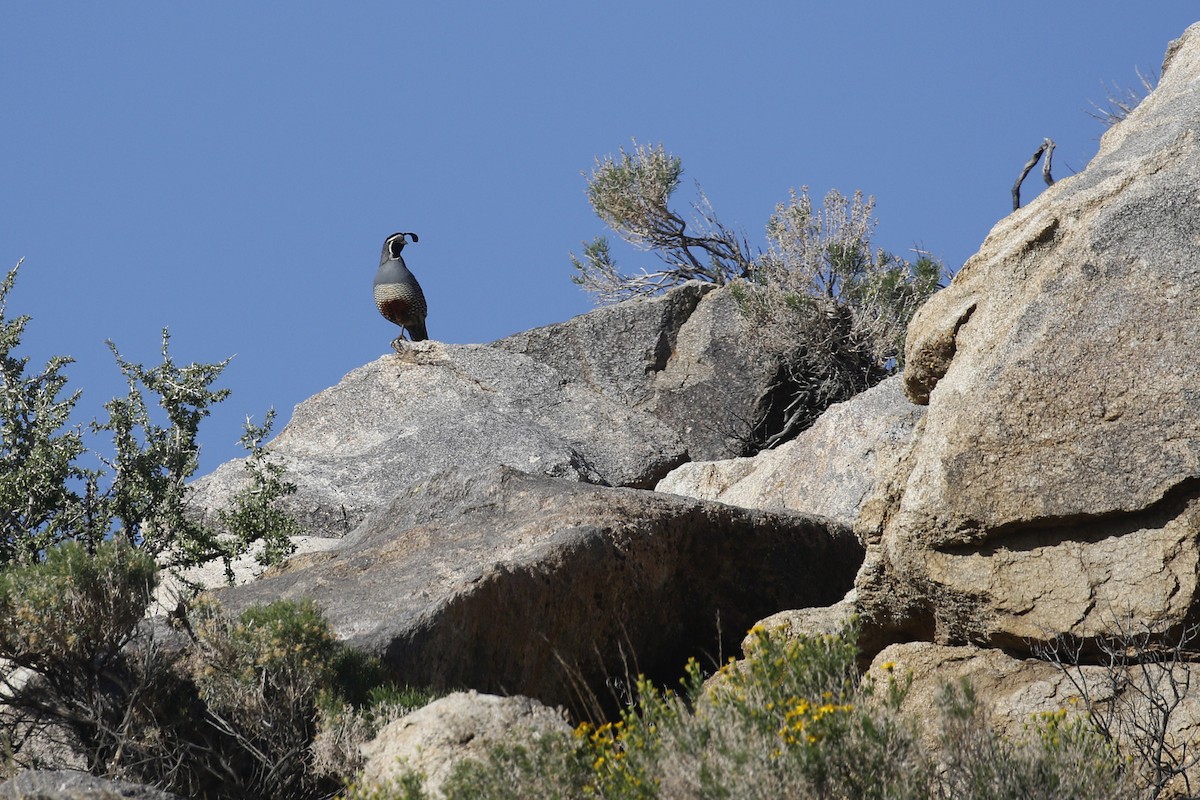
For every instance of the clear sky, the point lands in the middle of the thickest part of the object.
(230, 170)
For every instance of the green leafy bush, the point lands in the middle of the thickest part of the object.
(233, 709)
(65, 623)
(38, 451)
(254, 515)
(289, 704)
(140, 491)
(74, 606)
(152, 462)
(260, 676)
(237, 710)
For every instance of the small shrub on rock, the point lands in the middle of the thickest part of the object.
(65, 623)
(825, 304)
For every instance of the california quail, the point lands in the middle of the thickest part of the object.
(397, 293)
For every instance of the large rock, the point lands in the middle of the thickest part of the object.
(1011, 690)
(689, 357)
(1055, 485)
(507, 582)
(829, 469)
(432, 740)
(407, 416)
(793, 623)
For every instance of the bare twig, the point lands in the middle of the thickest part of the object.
(1134, 695)
(1122, 101)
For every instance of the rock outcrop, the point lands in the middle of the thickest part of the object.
(829, 469)
(689, 358)
(616, 397)
(1144, 706)
(407, 416)
(1055, 487)
(508, 582)
(1010, 690)
(1039, 482)
(432, 740)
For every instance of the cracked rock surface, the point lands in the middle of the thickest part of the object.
(1054, 484)
(508, 582)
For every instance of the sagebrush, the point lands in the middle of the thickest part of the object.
(823, 302)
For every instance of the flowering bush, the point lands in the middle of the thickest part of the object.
(794, 719)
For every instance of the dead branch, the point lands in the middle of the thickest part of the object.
(1047, 147)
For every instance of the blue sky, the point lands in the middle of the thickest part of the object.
(230, 170)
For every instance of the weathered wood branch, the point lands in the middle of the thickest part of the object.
(1046, 148)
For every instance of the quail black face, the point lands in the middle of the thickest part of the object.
(395, 243)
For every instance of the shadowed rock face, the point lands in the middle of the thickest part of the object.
(829, 469)
(1054, 487)
(507, 582)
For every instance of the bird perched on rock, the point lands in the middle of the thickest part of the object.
(397, 293)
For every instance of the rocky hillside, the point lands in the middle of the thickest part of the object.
(481, 515)
(1032, 479)
(1050, 494)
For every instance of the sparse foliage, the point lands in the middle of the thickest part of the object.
(796, 720)
(823, 258)
(1134, 685)
(38, 448)
(632, 194)
(833, 308)
(140, 491)
(1061, 757)
(1119, 101)
(259, 676)
(349, 718)
(825, 303)
(254, 516)
(65, 622)
(153, 462)
(233, 712)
